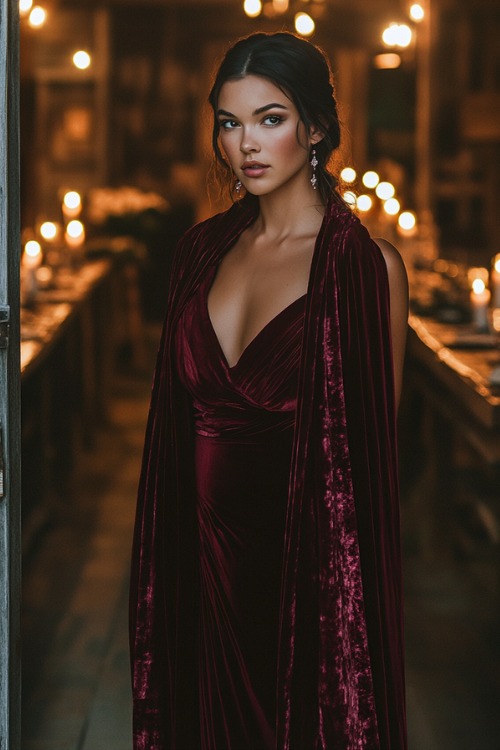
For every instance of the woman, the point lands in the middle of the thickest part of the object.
(266, 592)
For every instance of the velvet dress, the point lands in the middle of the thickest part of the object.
(244, 419)
(268, 508)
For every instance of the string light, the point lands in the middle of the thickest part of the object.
(348, 174)
(392, 206)
(37, 17)
(252, 8)
(397, 35)
(304, 24)
(407, 220)
(417, 12)
(370, 179)
(364, 202)
(82, 60)
(385, 190)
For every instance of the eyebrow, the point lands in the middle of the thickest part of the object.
(257, 111)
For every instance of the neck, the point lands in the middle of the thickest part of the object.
(290, 210)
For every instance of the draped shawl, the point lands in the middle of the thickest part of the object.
(340, 681)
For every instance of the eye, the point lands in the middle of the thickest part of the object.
(273, 120)
(228, 124)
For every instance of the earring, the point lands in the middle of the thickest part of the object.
(238, 185)
(314, 164)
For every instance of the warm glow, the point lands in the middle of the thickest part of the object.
(387, 61)
(385, 190)
(417, 12)
(350, 198)
(49, 230)
(392, 206)
(397, 35)
(72, 200)
(32, 248)
(82, 60)
(25, 6)
(364, 202)
(252, 8)
(496, 263)
(348, 174)
(75, 229)
(304, 24)
(407, 220)
(477, 273)
(37, 17)
(478, 286)
(280, 6)
(370, 179)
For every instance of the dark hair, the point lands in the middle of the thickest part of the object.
(302, 72)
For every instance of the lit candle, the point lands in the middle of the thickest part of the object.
(31, 261)
(49, 230)
(72, 205)
(32, 257)
(75, 234)
(495, 280)
(480, 298)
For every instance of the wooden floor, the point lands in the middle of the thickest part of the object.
(76, 676)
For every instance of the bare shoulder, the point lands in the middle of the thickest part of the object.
(395, 265)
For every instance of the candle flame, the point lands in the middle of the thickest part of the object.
(478, 286)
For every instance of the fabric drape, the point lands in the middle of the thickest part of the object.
(340, 681)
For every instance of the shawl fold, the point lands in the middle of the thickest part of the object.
(340, 673)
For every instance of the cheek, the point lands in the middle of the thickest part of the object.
(288, 147)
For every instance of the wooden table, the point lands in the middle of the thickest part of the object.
(450, 442)
(69, 342)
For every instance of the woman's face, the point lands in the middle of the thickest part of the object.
(262, 135)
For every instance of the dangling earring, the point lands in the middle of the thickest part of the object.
(314, 164)
(238, 185)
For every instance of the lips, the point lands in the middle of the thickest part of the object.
(254, 168)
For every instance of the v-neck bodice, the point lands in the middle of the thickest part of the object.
(231, 399)
(244, 424)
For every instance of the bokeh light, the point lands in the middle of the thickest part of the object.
(304, 24)
(385, 190)
(417, 12)
(348, 174)
(252, 8)
(49, 230)
(407, 220)
(82, 60)
(392, 206)
(370, 179)
(364, 202)
(37, 17)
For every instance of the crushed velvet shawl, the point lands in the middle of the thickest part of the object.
(340, 672)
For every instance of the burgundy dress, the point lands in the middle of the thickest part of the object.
(244, 422)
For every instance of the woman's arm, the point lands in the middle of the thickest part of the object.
(398, 289)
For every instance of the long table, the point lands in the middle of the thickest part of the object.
(70, 336)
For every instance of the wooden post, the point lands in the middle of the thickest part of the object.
(423, 121)
(10, 585)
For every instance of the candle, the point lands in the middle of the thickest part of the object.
(31, 261)
(75, 234)
(495, 280)
(32, 257)
(72, 205)
(480, 298)
(49, 230)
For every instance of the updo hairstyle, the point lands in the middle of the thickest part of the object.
(302, 72)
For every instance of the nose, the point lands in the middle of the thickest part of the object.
(248, 142)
